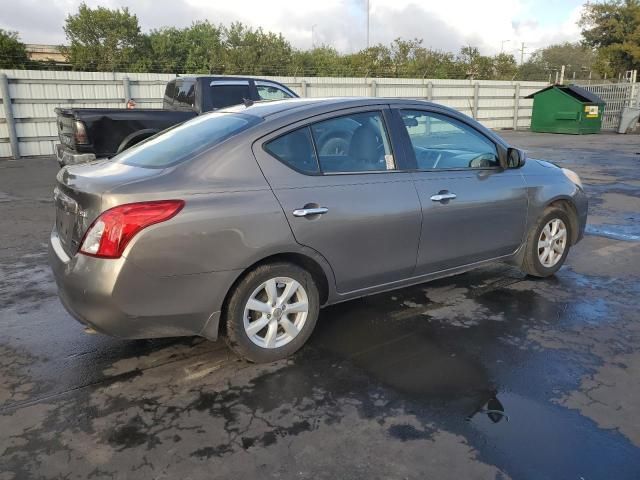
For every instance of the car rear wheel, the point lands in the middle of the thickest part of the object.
(548, 244)
(272, 312)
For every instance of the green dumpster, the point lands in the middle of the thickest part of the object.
(566, 109)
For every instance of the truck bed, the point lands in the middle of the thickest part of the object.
(124, 126)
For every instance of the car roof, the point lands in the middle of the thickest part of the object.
(264, 109)
(205, 77)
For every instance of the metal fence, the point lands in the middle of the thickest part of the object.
(616, 96)
(32, 96)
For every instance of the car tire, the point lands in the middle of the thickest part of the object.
(255, 307)
(543, 255)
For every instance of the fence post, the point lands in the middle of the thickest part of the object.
(126, 85)
(430, 91)
(8, 115)
(373, 88)
(516, 106)
(303, 87)
(476, 99)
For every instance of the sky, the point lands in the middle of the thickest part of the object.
(490, 25)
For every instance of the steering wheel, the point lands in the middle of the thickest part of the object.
(424, 156)
(484, 160)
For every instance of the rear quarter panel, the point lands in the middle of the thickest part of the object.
(231, 218)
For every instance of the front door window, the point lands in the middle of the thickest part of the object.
(442, 143)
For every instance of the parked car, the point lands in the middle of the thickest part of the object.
(89, 133)
(236, 222)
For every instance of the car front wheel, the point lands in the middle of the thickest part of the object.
(272, 312)
(548, 244)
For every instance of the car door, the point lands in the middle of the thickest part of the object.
(472, 208)
(352, 204)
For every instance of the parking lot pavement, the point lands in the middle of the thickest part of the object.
(489, 374)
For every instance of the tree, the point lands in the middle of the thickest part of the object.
(576, 58)
(436, 64)
(12, 51)
(374, 61)
(322, 61)
(475, 66)
(196, 49)
(505, 66)
(253, 51)
(101, 39)
(613, 27)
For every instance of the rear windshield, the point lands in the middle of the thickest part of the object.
(186, 140)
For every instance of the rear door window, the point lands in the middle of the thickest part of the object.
(296, 150)
(186, 140)
(346, 144)
(224, 94)
(353, 143)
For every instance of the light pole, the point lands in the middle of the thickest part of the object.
(502, 45)
(313, 28)
(367, 23)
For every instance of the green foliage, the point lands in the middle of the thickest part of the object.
(12, 51)
(101, 39)
(505, 67)
(108, 40)
(613, 27)
(576, 58)
(196, 49)
(252, 51)
(320, 61)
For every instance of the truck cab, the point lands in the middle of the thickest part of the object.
(204, 94)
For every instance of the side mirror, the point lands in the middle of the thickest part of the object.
(515, 158)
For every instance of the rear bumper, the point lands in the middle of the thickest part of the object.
(66, 156)
(117, 298)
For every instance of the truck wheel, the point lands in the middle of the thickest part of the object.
(547, 244)
(272, 312)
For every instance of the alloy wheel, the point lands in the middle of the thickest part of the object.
(552, 242)
(276, 312)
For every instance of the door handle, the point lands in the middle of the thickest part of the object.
(440, 197)
(306, 212)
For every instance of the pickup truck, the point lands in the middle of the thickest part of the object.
(89, 133)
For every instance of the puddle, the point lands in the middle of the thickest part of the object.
(615, 232)
(542, 440)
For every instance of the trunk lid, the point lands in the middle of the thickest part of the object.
(78, 196)
(64, 123)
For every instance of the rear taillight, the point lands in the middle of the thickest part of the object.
(80, 135)
(109, 234)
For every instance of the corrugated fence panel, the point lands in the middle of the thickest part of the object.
(36, 93)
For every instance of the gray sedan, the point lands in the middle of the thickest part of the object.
(247, 221)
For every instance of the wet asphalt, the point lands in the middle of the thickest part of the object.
(489, 374)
